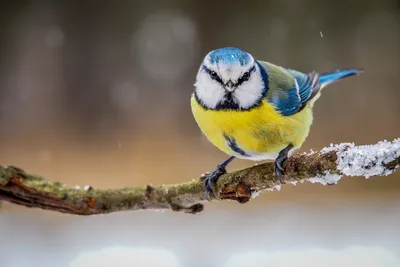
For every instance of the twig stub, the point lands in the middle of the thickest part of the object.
(326, 167)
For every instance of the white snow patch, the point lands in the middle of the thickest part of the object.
(255, 193)
(86, 187)
(277, 187)
(326, 178)
(294, 182)
(312, 152)
(366, 160)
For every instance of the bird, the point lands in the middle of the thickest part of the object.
(253, 109)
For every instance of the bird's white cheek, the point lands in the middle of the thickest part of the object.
(249, 92)
(208, 91)
(245, 99)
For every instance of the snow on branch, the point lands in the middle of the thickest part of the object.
(326, 167)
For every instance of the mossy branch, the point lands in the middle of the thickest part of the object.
(326, 167)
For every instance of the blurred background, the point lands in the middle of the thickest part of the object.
(97, 92)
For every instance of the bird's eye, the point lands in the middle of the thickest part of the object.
(213, 74)
(246, 76)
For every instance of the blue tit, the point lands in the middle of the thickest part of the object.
(255, 110)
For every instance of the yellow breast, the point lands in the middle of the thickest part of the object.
(258, 134)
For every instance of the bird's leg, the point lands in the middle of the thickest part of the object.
(282, 157)
(211, 180)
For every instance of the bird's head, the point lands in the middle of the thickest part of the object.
(229, 78)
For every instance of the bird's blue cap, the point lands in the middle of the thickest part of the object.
(229, 55)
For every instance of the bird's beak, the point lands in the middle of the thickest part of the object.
(229, 86)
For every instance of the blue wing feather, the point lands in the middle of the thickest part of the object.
(305, 87)
(289, 101)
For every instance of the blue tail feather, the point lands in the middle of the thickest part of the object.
(330, 77)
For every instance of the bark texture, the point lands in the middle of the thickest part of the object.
(22, 188)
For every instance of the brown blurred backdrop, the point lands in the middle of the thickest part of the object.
(97, 92)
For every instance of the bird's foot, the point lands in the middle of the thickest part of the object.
(278, 168)
(211, 180)
(279, 162)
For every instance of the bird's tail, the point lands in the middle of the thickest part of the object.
(330, 77)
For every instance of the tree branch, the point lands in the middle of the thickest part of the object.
(325, 167)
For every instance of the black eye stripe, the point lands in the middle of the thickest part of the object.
(213, 75)
(245, 77)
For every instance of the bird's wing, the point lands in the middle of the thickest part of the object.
(309, 85)
(290, 90)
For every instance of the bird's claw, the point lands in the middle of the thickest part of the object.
(280, 160)
(278, 169)
(211, 180)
